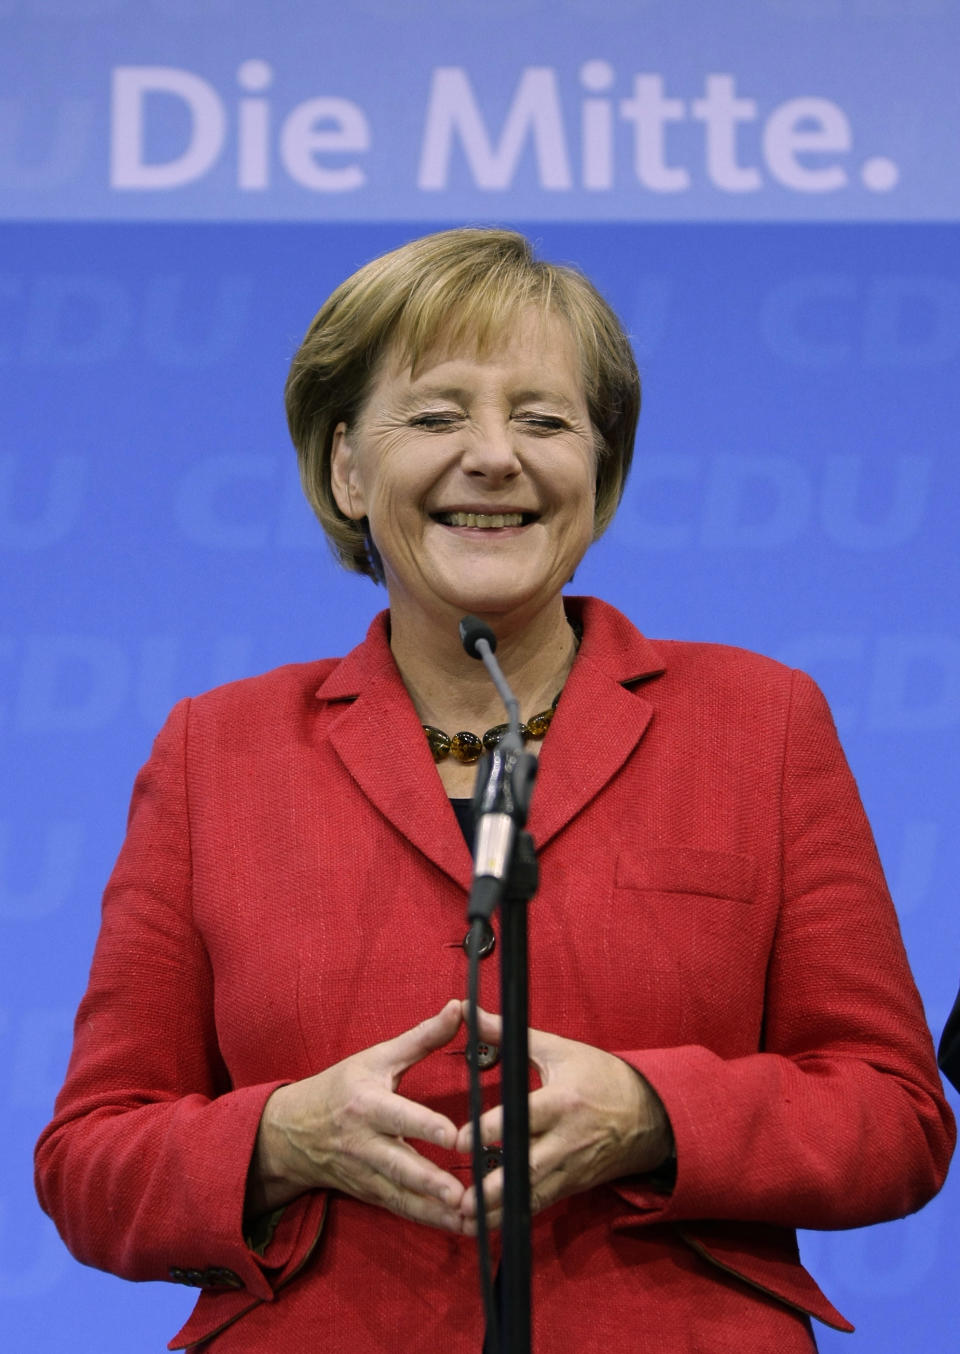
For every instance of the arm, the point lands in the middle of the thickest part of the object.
(838, 1120)
(144, 1165)
(154, 1155)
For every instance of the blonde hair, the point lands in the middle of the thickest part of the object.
(451, 288)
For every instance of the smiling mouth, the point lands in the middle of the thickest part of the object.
(487, 521)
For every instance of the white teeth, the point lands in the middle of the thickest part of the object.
(482, 519)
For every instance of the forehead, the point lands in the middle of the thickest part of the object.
(529, 344)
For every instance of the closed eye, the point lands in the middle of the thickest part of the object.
(545, 423)
(436, 421)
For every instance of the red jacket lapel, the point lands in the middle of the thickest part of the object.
(380, 741)
(599, 721)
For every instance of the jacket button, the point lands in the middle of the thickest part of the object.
(488, 1055)
(205, 1278)
(487, 940)
(218, 1277)
(492, 1159)
(191, 1277)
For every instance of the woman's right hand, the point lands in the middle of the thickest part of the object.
(346, 1129)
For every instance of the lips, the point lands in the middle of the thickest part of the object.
(487, 521)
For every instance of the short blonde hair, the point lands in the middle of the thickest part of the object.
(457, 286)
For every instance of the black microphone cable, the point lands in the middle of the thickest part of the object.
(475, 938)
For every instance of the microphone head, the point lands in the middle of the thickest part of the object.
(472, 630)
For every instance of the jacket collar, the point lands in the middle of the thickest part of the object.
(599, 721)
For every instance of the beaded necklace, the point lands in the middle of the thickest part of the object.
(469, 747)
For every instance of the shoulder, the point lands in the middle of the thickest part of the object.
(721, 686)
(287, 691)
(254, 714)
(695, 660)
(702, 681)
(261, 712)
(612, 640)
(283, 688)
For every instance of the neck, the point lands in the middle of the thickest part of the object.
(453, 691)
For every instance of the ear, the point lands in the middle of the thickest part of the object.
(345, 476)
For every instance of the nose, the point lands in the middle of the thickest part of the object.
(491, 452)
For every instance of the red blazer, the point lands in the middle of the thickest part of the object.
(292, 888)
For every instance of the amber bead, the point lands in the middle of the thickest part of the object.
(538, 724)
(466, 747)
(438, 740)
(495, 736)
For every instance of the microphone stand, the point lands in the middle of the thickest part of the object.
(515, 1090)
(505, 874)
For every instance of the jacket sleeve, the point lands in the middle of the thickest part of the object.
(144, 1166)
(838, 1120)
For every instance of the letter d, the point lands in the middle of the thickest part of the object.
(208, 126)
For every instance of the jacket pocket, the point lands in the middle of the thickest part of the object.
(688, 869)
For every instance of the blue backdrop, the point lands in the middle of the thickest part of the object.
(794, 489)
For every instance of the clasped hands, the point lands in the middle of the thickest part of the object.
(592, 1119)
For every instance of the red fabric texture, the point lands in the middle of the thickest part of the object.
(292, 888)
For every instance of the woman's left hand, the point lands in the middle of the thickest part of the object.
(593, 1119)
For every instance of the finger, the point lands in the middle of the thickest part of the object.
(381, 1170)
(408, 1204)
(492, 1196)
(553, 1187)
(490, 1026)
(494, 1222)
(405, 1171)
(550, 1180)
(550, 1188)
(541, 1046)
(409, 1047)
(552, 1161)
(491, 1130)
(545, 1051)
(546, 1108)
(397, 1117)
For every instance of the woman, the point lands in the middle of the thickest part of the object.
(267, 1092)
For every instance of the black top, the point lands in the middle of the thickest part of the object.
(463, 808)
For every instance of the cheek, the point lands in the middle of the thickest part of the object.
(395, 518)
(377, 486)
(587, 498)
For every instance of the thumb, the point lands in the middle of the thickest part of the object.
(541, 1046)
(414, 1044)
(489, 1026)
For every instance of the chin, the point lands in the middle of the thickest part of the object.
(495, 601)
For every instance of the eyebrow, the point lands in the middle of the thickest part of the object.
(443, 391)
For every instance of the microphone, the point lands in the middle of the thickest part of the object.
(472, 631)
(504, 784)
(480, 642)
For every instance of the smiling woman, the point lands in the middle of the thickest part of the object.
(475, 478)
(459, 291)
(726, 1037)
